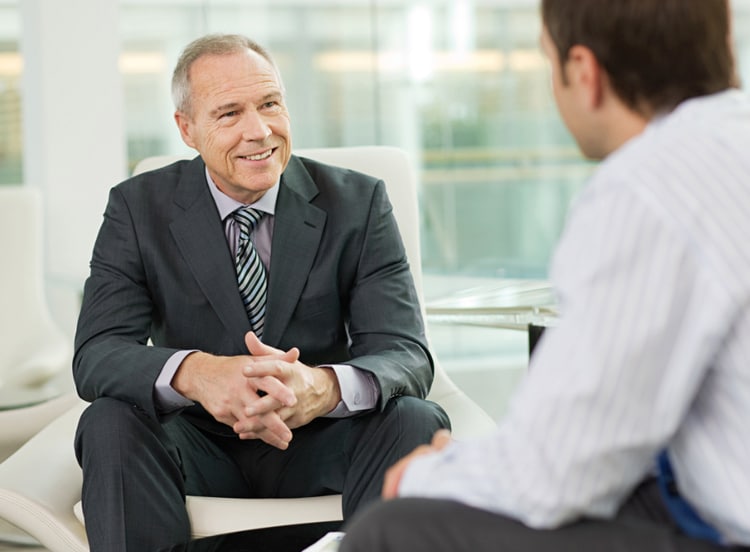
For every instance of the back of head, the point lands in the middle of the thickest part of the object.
(657, 53)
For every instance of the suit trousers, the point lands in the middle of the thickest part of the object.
(427, 525)
(137, 471)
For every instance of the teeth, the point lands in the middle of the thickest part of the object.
(260, 156)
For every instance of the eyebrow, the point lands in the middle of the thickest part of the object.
(231, 106)
(271, 96)
(225, 107)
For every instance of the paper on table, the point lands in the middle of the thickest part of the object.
(329, 543)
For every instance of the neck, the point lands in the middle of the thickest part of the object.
(619, 124)
(626, 129)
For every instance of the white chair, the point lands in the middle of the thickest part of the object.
(35, 380)
(43, 504)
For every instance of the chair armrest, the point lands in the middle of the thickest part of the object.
(212, 515)
(215, 515)
(468, 419)
(22, 423)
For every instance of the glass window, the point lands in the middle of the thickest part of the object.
(10, 97)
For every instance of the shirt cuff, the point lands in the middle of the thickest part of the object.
(359, 391)
(421, 478)
(166, 398)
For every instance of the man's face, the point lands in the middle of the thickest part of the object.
(238, 123)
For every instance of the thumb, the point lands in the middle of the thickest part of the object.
(256, 348)
(441, 438)
(291, 356)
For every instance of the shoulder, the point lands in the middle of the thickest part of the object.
(335, 175)
(330, 183)
(156, 197)
(679, 153)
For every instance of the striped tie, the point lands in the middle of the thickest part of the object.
(251, 274)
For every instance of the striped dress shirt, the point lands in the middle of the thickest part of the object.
(652, 349)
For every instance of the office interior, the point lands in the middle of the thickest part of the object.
(460, 85)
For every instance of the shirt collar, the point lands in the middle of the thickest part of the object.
(226, 205)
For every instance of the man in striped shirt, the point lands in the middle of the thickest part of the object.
(631, 429)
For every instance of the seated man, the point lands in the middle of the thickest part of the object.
(650, 362)
(289, 356)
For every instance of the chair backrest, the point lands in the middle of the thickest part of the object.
(392, 165)
(21, 252)
(32, 347)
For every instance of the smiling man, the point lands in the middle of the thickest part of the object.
(288, 357)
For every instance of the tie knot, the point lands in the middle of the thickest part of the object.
(247, 218)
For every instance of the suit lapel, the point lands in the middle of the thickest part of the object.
(199, 235)
(298, 228)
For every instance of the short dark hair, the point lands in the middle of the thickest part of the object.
(657, 53)
(212, 44)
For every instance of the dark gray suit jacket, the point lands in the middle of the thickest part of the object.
(340, 288)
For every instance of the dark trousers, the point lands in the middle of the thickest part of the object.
(424, 525)
(136, 471)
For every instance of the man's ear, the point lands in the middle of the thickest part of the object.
(585, 72)
(184, 123)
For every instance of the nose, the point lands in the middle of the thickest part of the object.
(255, 127)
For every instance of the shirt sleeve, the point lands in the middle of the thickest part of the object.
(167, 399)
(359, 391)
(606, 388)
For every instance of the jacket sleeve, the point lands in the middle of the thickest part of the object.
(111, 354)
(386, 327)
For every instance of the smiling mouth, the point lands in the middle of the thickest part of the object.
(259, 156)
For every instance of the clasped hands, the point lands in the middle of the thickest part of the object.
(229, 388)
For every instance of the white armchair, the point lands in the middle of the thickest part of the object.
(43, 506)
(35, 380)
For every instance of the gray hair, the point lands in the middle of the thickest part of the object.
(213, 44)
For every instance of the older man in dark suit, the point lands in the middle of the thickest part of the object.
(288, 354)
